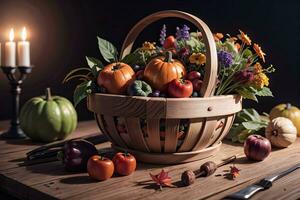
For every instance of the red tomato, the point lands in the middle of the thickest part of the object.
(125, 163)
(180, 88)
(192, 75)
(197, 85)
(169, 42)
(100, 168)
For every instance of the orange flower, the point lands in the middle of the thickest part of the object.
(257, 68)
(238, 46)
(218, 36)
(245, 38)
(259, 52)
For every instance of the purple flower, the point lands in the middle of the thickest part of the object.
(163, 34)
(225, 58)
(244, 76)
(183, 33)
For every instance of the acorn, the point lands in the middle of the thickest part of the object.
(188, 177)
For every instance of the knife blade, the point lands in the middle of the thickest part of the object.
(263, 184)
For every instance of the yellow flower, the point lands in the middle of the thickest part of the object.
(257, 68)
(218, 36)
(197, 58)
(259, 52)
(260, 80)
(244, 37)
(148, 46)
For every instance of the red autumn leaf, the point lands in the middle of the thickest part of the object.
(162, 179)
(234, 172)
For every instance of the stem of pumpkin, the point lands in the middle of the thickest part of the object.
(168, 56)
(48, 94)
(288, 106)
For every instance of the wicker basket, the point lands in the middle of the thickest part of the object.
(206, 120)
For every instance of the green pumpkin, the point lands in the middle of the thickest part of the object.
(47, 118)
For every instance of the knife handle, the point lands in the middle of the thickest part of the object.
(245, 193)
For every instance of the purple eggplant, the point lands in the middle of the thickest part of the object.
(76, 154)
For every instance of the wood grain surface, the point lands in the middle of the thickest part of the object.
(50, 181)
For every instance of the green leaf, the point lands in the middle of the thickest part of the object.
(95, 65)
(81, 92)
(107, 50)
(91, 61)
(253, 125)
(265, 92)
(244, 92)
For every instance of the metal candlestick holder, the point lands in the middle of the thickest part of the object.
(15, 82)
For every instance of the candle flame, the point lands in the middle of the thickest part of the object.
(24, 34)
(11, 35)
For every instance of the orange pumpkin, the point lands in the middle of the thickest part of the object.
(161, 70)
(115, 77)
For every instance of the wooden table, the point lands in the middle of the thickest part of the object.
(50, 181)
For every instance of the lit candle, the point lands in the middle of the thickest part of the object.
(23, 50)
(10, 51)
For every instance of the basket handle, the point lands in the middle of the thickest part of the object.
(211, 66)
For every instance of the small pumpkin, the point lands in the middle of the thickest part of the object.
(288, 111)
(48, 118)
(281, 132)
(161, 70)
(116, 77)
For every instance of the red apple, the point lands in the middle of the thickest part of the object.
(100, 168)
(197, 84)
(125, 163)
(192, 75)
(257, 147)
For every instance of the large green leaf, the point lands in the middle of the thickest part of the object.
(253, 125)
(107, 50)
(81, 92)
(264, 92)
(244, 92)
(91, 61)
(95, 65)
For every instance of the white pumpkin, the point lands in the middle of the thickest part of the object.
(281, 132)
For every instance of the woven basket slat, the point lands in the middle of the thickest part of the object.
(111, 128)
(172, 128)
(136, 134)
(153, 139)
(192, 135)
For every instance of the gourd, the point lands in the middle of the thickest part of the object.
(281, 132)
(160, 71)
(288, 111)
(116, 77)
(139, 88)
(48, 118)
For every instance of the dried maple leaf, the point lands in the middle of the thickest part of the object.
(234, 172)
(162, 179)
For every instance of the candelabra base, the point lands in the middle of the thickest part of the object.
(14, 132)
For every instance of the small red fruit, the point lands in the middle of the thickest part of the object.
(192, 75)
(125, 163)
(169, 42)
(257, 147)
(100, 168)
(197, 84)
(180, 88)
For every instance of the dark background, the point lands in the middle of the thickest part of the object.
(62, 33)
